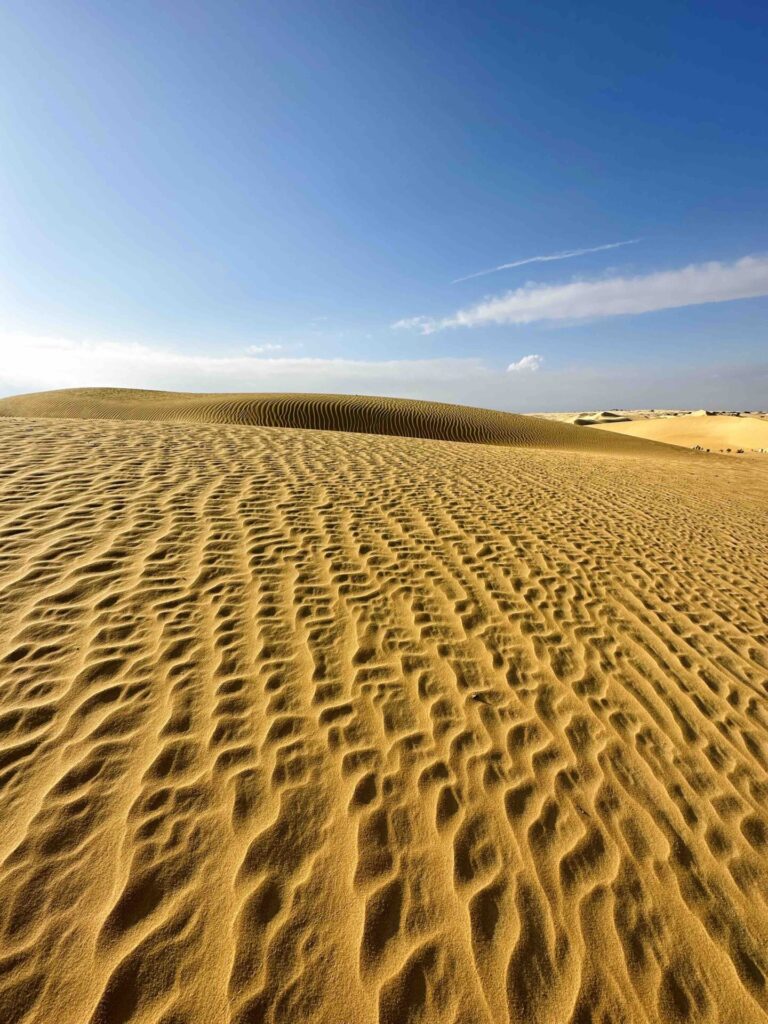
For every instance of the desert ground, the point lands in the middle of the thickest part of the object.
(363, 711)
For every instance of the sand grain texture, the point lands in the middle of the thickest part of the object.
(303, 725)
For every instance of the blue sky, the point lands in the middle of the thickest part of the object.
(252, 196)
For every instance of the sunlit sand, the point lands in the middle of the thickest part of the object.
(353, 710)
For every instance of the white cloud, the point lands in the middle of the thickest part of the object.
(33, 364)
(567, 255)
(410, 323)
(258, 350)
(528, 364)
(693, 285)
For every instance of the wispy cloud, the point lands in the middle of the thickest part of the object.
(567, 255)
(37, 363)
(33, 363)
(424, 324)
(528, 364)
(260, 350)
(693, 285)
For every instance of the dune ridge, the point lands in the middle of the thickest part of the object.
(397, 417)
(300, 725)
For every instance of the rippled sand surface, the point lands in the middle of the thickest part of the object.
(301, 725)
(398, 417)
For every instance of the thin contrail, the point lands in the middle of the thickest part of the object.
(547, 259)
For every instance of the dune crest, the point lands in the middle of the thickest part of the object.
(309, 726)
(397, 417)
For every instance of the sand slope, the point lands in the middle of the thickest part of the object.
(398, 417)
(716, 432)
(303, 726)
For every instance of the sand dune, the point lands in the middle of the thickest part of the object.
(398, 417)
(716, 432)
(311, 726)
(610, 415)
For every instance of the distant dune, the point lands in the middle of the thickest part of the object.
(398, 417)
(716, 432)
(325, 726)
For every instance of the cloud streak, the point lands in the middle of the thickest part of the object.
(694, 285)
(567, 255)
(38, 363)
(31, 363)
(259, 350)
(424, 324)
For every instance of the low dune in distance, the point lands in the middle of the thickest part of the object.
(745, 432)
(386, 712)
(717, 432)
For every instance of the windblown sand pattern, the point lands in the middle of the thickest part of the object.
(399, 417)
(305, 726)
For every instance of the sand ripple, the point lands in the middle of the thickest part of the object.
(303, 726)
(397, 417)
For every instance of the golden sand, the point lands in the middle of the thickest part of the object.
(302, 725)
(397, 417)
(717, 432)
(721, 432)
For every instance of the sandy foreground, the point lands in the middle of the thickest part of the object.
(327, 726)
